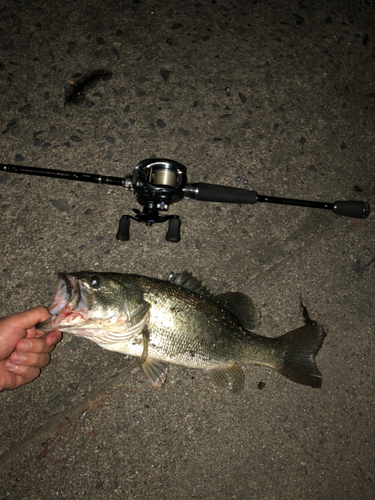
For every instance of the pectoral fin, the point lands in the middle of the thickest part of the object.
(155, 371)
(146, 339)
(230, 377)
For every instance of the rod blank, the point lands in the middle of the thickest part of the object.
(63, 174)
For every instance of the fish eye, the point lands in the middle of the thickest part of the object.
(95, 281)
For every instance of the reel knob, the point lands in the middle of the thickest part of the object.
(173, 234)
(123, 229)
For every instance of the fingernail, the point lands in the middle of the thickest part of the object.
(18, 357)
(24, 345)
(53, 340)
(10, 366)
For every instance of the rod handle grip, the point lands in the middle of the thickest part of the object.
(356, 209)
(123, 229)
(222, 194)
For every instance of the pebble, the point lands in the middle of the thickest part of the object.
(299, 19)
(30, 73)
(242, 97)
(61, 204)
(165, 74)
(242, 178)
(106, 111)
(142, 79)
(10, 125)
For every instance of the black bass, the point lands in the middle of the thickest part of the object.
(180, 322)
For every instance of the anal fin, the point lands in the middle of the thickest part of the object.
(155, 371)
(230, 377)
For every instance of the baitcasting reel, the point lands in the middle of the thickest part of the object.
(158, 183)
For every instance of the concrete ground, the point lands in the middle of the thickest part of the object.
(273, 96)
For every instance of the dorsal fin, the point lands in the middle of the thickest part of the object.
(241, 306)
(188, 281)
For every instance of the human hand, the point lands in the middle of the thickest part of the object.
(23, 349)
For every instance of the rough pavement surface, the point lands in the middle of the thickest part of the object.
(273, 96)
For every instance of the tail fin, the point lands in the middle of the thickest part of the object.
(300, 349)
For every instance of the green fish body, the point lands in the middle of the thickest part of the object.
(180, 322)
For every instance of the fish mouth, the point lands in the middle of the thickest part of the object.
(69, 306)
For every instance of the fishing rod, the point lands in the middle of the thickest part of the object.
(158, 183)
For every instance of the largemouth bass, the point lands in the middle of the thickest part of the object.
(179, 322)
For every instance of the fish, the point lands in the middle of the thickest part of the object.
(179, 321)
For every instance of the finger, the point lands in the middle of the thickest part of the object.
(53, 338)
(33, 345)
(28, 319)
(29, 359)
(27, 373)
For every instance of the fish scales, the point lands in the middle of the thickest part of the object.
(188, 329)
